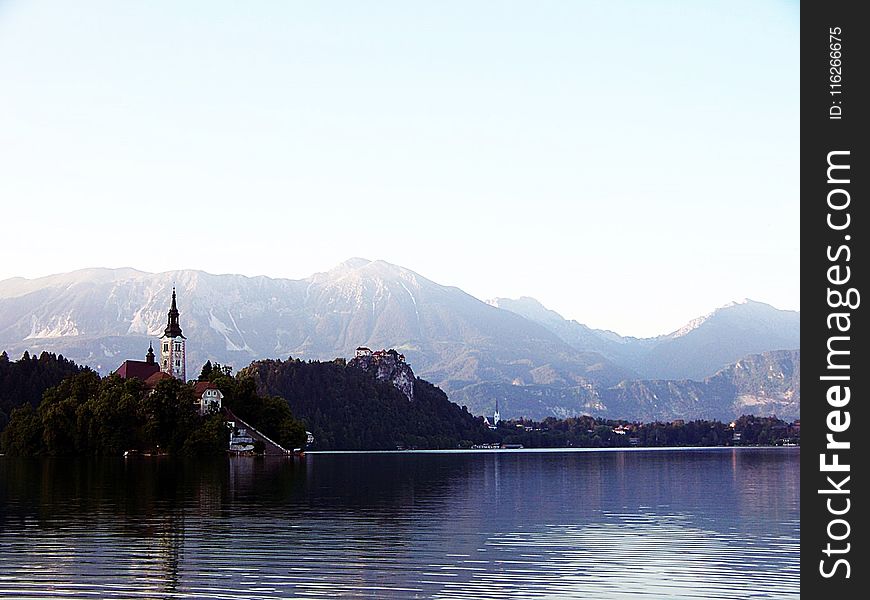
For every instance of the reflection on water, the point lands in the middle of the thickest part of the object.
(719, 523)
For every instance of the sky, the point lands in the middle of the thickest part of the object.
(630, 164)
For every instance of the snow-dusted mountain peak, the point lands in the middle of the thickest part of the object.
(737, 310)
(351, 264)
(692, 325)
(739, 302)
(360, 273)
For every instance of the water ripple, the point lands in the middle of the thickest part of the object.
(409, 526)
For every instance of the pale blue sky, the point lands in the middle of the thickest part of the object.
(631, 164)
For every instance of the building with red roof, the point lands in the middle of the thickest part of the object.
(156, 378)
(172, 355)
(208, 397)
(140, 369)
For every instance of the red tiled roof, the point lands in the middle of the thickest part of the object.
(138, 369)
(157, 378)
(201, 386)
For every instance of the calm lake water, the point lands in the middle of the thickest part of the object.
(721, 523)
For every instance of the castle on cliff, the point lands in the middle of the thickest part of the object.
(386, 365)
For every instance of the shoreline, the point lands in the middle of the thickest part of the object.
(550, 450)
(426, 451)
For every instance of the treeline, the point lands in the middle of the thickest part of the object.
(344, 407)
(348, 409)
(87, 415)
(23, 381)
(58, 408)
(589, 432)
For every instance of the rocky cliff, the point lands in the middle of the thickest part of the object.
(386, 365)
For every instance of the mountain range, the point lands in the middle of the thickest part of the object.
(532, 360)
(694, 351)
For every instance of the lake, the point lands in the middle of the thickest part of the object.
(685, 523)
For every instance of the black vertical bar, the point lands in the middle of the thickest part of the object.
(833, 262)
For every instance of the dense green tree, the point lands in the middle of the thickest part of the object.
(88, 415)
(110, 421)
(23, 435)
(169, 414)
(291, 433)
(205, 373)
(59, 412)
(590, 432)
(210, 438)
(25, 380)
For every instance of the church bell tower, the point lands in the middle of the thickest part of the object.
(172, 350)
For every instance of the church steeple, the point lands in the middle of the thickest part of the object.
(172, 345)
(149, 358)
(173, 329)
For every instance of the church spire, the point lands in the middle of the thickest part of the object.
(149, 358)
(172, 346)
(173, 329)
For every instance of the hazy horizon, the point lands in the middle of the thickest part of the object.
(686, 319)
(629, 165)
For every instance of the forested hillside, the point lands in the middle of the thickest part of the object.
(348, 409)
(24, 381)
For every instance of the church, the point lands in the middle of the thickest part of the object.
(172, 355)
(173, 364)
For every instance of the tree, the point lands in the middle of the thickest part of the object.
(24, 381)
(87, 415)
(169, 415)
(292, 434)
(210, 438)
(58, 412)
(23, 436)
(205, 374)
(110, 422)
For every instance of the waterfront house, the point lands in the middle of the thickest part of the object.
(207, 397)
